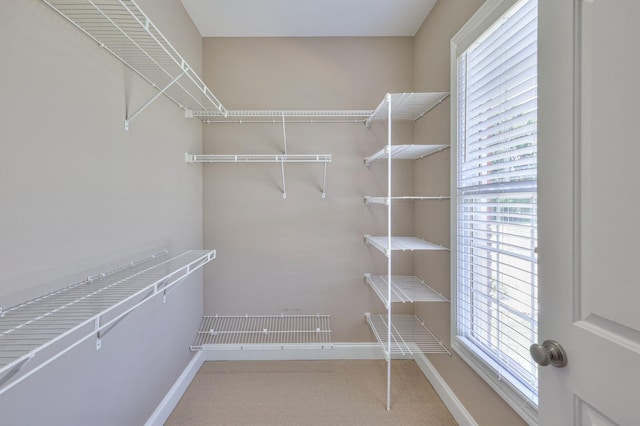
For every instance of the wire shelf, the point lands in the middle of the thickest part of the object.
(409, 335)
(386, 200)
(122, 28)
(407, 106)
(277, 116)
(254, 332)
(404, 152)
(405, 289)
(93, 307)
(401, 244)
(253, 158)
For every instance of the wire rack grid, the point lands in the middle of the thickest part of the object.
(91, 307)
(258, 158)
(401, 244)
(407, 106)
(278, 116)
(242, 332)
(123, 29)
(404, 152)
(409, 335)
(404, 289)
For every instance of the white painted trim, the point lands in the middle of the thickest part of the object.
(446, 394)
(339, 351)
(171, 399)
(482, 20)
(516, 400)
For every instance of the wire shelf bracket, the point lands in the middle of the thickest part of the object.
(122, 28)
(260, 332)
(35, 333)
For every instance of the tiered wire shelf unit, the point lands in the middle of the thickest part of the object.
(402, 334)
(259, 332)
(35, 333)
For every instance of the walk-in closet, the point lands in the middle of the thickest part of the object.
(196, 214)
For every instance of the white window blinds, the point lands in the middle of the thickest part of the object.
(496, 175)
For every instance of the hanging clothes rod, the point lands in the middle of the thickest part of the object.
(257, 158)
(276, 116)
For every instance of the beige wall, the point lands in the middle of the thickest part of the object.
(80, 195)
(302, 254)
(432, 220)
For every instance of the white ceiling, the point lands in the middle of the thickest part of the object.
(307, 18)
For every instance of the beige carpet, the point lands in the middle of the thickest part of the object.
(309, 393)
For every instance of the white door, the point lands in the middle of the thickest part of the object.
(589, 209)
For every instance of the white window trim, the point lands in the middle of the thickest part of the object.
(484, 18)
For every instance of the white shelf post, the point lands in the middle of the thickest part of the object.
(389, 121)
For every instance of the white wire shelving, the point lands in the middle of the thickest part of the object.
(123, 29)
(401, 334)
(404, 152)
(278, 116)
(387, 200)
(404, 289)
(35, 333)
(409, 335)
(406, 106)
(259, 332)
(401, 244)
(257, 158)
(282, 158)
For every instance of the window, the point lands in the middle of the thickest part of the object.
(494, 264)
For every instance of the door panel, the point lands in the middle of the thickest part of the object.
(589, 209)
(607, 39)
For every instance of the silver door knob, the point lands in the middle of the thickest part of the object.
(549, 352)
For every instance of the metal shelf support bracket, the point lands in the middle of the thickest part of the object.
(150, 101)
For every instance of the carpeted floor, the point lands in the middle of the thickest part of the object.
(309, 393)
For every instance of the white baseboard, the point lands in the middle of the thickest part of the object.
(458, 411)
(339, 351)
(171, 399)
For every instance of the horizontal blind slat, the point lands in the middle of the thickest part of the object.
(496, 203)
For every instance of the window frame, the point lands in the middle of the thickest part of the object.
(486, 16)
